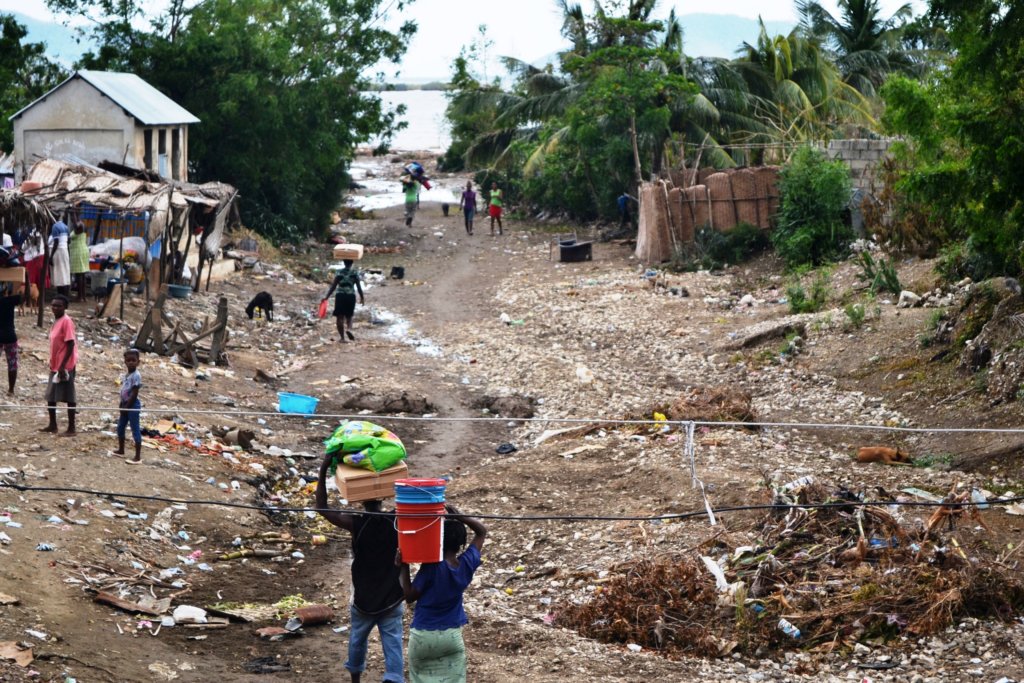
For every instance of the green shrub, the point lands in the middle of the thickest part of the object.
(712, 249)
(880, 275)
(855, 313)
(952, 263)
(803, 301)
(813, 194)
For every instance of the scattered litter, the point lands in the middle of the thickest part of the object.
(10, 649)
(187, 614)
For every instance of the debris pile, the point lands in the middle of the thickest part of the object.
(710, 404)
(816, 578)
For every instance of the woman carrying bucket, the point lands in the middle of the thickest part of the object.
(436, 650)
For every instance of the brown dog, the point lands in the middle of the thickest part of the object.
(883, 454)
(30, 301)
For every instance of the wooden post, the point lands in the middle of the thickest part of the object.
(201, 244)
(120, 261)
(42, 280)
(188, 245)
(209, 275)
(144, 263)
(164, 241)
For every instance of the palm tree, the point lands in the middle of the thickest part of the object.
(799, 92)
(866, 48)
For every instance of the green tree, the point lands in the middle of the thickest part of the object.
(25, 74)
(813, 192)
(866, 47)
(572, 131)
(963, 138)
(278, 86)
(800, 93)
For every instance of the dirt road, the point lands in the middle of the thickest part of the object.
(435, 344)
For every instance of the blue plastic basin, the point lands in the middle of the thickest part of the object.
(296, 403)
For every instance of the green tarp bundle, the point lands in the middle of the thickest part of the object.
(365, 444)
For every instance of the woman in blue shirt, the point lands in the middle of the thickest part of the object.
(437, 653)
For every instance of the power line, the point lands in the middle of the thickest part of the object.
(529, 518)
(561, 420)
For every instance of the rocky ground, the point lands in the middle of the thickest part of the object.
(492, 327)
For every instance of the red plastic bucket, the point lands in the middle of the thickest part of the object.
(420, 538)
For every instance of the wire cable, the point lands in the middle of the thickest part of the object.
(562, 420)
(702, 512)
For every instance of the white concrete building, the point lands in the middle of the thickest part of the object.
(96, 116)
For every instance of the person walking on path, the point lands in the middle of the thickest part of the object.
(347, 282)
(9, 338)
(494, 207)
(78, 251)
(412, 198)
(130, 405)
(376, 591)
(437, 653)
(468, 206)
(60, 261)
(63, 361)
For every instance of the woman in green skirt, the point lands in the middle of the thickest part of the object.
(436, 651)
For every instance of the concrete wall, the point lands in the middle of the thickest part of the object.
(862, 156)
(77, 119)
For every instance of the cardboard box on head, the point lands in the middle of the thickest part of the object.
(358, 484)
(348, 252)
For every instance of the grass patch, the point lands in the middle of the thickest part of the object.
(937, 460)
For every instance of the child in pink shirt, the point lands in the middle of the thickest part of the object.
(63, 359)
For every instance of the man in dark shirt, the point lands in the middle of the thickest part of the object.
(377, 596)
(8, 337)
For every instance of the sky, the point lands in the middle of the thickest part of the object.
(526, 29)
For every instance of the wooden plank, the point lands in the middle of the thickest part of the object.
(112, 304)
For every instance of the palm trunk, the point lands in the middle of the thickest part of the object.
(637, 175)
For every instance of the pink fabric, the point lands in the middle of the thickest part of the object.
(61, 333)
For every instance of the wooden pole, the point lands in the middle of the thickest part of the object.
(42, 281)
(188, 245)
(201, 244)
(120, 261)
(145, 257)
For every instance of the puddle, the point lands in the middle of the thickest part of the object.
(399, 329)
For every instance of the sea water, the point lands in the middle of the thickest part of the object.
(427, 128)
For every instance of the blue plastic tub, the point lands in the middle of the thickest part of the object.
(178, 291)
(296, 403)
(420, 491)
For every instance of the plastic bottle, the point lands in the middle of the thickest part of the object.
(789, 629)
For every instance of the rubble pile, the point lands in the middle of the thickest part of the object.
(818, 578)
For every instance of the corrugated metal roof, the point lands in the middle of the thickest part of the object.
(147, 104)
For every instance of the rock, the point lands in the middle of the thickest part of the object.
(520, 407)
(908, 299)
(389, 402)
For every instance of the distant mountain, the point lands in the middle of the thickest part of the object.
(62, 44)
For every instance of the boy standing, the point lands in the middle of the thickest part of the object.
(130, 406)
